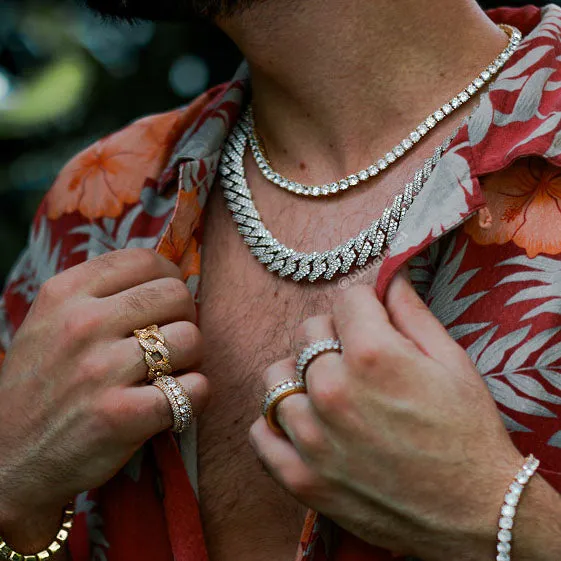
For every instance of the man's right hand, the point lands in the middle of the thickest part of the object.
(74, 402)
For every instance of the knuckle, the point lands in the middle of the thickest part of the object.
(364, 354)
(311, 442)
(80, 325)
(189, 337)
(50, 291)
(143, 257)
(302, 484)
(107, 416)
(330, 395)
(176, 289)
(92, 370)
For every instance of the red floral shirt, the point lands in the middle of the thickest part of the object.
(483, 243)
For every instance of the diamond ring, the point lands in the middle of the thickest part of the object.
(311, 352)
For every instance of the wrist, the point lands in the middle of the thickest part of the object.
(472, 528)
(536, 532)
(31, 531)
(537, 529)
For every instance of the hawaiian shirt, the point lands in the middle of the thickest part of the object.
(482, 240)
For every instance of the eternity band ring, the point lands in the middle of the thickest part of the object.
(156, 353)
(274, 396)
(179, 401)
(311, 352)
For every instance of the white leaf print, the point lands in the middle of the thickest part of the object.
(546, 127)
(532, 388)
(463, 329)
(555, 440)
(149, 243)
(525, 276)
(528, 101)
(155, 205)
(519, 357)
(37, 264)
(448, 184)
(493, 355)
(84, 504)
(102, 240)
(550, 355)
(539, 263)
(123, 233)
(527, 61)
(554, 378)
(447, 285)
(509, 84)
(506, 396)
(480, 121)
(512, 425)
(108, 224)
(418, 274)
(555, 147)
(552, 86)
(476, 348)
(537, 292)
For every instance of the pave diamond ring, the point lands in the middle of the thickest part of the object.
(311, 352)
(156, 354)
(179, 401)
(274, 396)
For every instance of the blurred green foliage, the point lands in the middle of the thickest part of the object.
(68, 78)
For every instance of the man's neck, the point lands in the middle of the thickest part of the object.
(334, 80)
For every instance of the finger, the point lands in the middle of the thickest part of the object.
(281, 459)
(159, 302)
(114, 272)
(314, 329)
(276, 374)
(183, 340)
(154, 410)
(413, 319)
(362, 322)
(294, 413)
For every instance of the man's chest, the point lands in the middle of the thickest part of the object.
(248, 318)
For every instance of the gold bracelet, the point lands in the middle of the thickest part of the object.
(7, 553)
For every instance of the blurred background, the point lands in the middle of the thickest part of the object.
(67, 78)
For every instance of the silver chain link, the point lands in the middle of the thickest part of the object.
(286, 262)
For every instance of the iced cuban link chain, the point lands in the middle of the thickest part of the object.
(285, 262)
(262, 161)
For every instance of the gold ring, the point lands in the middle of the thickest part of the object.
(274, 396)
(179, 401)
(156, 354)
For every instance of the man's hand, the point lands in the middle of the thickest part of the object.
(398, 439)
(75, 406)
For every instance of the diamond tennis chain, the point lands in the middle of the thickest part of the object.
(370, 243)
(286, 262)
(400, 149)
